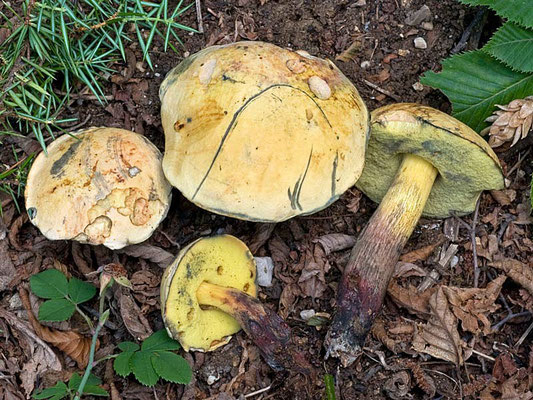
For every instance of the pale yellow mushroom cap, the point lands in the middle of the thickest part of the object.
(220, 260)
(98, 186)
(465, 162)
(261, 133)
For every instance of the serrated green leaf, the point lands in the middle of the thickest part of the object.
(141, 366)
(159, 341)
(122, 363)
(91, 386)
(95, 391)
(56, 310)
(56, 392)
(513, 45)
(171, 367)
(80, 291)
(474, 82)
(128, 346)
(519, 11)
(49, 284)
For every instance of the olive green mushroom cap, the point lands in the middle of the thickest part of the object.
(465, 162)
(221, 260)
(98, 186)
(261, 133)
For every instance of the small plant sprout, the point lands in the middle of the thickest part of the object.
(106, 184)
(420, 161)
(261, 133)
(208, 293)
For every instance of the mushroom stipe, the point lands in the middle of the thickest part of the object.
(438, 166)
(208, 294)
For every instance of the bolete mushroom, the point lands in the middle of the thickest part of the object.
(420, 161)
(261, 133)
(208, 293)
(98, 186)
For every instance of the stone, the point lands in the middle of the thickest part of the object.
(420, 43)
(418, 16)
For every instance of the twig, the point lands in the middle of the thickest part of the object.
(483, 355)
(470, 30)
(521, 157)
(474, 247)
(385, 92)
(257, 392)
(524, 336)
(509, 317)
(199, 16)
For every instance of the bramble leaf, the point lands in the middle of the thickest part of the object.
(519, 11)
(474, 82)
(122, 364)
(49, 284)
(56, 310)
(172, 367)
(142, 368)
(57, 392)
(91, 386)
(159, 341)
(80, 291)
(128, 346)
(513, 45)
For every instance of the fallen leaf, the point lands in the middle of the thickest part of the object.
(135, 322)
(288, 298)
(439, 336)
(397, 387)
(260, 236)
(353, 204)
(73, 344)
(379, 332)
(146, 287)
(335, 242)
(406, 269)
(410, 298)
(402, 329)
(7, 269)
(471, 305)
(279, 251)
(422, 253)
(519, 272)
(312, 279)
(352, 51)
(504, 367)
(151, 253)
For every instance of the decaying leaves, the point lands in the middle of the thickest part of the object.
(379, 332)
(422, 253)
(312, 280)
(410, 298)
(335, 242)
(519, 272)
(73, 344)
(135, 322)
(471, 305)
(439, 336)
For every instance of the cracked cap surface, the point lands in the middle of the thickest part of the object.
(465, 162)
(220, 260)
(99, 186)
(261, 133)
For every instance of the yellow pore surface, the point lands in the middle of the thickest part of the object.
(221, 260)
(261, 133)
(102, 186)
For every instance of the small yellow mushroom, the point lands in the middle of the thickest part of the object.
(261, 133)
(420, 161)
(98, 186)
(209, 293)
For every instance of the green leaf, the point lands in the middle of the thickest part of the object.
(519, 11)
(80, 291)
(122, 363)
(91, 386)
(128, 346)
(159, 341)
(49, 284)
(56, 310)
(141, 365)
(171, 367)
(513, 45)
(474, 82)
(56, 392)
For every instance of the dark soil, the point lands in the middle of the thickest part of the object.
(388, 59)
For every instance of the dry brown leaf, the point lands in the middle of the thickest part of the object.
(352, 51)
(410, 298)
(73, 344)
(471, 305)
(439, 337)
(260, 237)
(397, 387)
(279, 251)
(353, 204)
(405, 270)
(135, 322)
(402, 328)
(288, 298)
(379, 332)
(151, 253)
(7, 269)
(146, 287)
(312, 279)
(519, 272)
(335, 242)
(422, 253)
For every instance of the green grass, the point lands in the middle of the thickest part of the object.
(59, 47)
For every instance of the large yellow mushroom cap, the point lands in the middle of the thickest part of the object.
(220, 260)
(98, 186)
(261, 133)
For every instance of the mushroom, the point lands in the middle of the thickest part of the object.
(208, 293)
(98, 186)
(261, 133)
(420, 161)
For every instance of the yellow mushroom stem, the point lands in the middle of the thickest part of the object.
(374, 256)
(267, 330)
